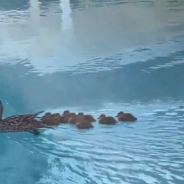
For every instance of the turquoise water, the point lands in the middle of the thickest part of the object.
(96, 57)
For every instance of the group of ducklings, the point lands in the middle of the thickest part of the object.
(84, 121)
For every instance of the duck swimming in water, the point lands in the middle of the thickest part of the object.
(87, 117)
(126, 117)
(47, 115)
(50, 119)
(73, 118)
(66, 112)
(66, 115)
(82, 123)
(21, 123)
(55, 119)
(108, 120)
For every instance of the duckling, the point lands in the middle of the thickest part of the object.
(88, 117)
(68, 115)
(51, 119)
(63, 119)
(66, 112)
(46, 116)
(83, 124)
(55, 115)
(126, 117)
(106, 120)
(80, 114)
(57, 119)
(51, 122)
(73, 118)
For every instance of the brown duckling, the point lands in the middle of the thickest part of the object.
(68, 116)
(83, 124)
(63, 119)
(68, 113)
(87, 117)
(73, 118)
(48, 119)
(56, 118)
(46, 116)
(51, 122)
(51, 119)
(126, 117)
(80, 114)
(55, 115)
(108, 120)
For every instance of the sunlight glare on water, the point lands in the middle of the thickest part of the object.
(94, 57)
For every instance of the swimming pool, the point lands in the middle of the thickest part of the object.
(95, 57)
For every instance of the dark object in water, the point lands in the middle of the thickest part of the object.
(53, 119)
(87, 117)
(21, 123)
(126, 117)
(83, 124)
(107, 120)
(66, 112)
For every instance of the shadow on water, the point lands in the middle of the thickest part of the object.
(96, 57)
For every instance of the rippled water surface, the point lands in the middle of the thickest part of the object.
(96, 57)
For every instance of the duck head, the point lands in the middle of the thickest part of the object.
(67, 112)
(56, 115)
(80, 114)
(1, 110)
(121, 113)
(101, 116)
(71, 116)
(48, 114)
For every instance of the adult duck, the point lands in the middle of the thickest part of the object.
(126, 117)
(20, 123)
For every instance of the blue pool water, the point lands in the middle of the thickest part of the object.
(96, 57)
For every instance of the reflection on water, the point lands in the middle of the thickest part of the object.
(97, 57)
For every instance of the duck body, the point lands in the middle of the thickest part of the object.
(46, 116)
(108, 120)
(77, 118)
(87, 117)
(18, 119)
(83, 124)
(128, 117)
(32, 127)
(56, 119)
(73, 119)
(68, 116)
(20, 123)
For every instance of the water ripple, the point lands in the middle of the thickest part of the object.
(144, 152)
(48, 46)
